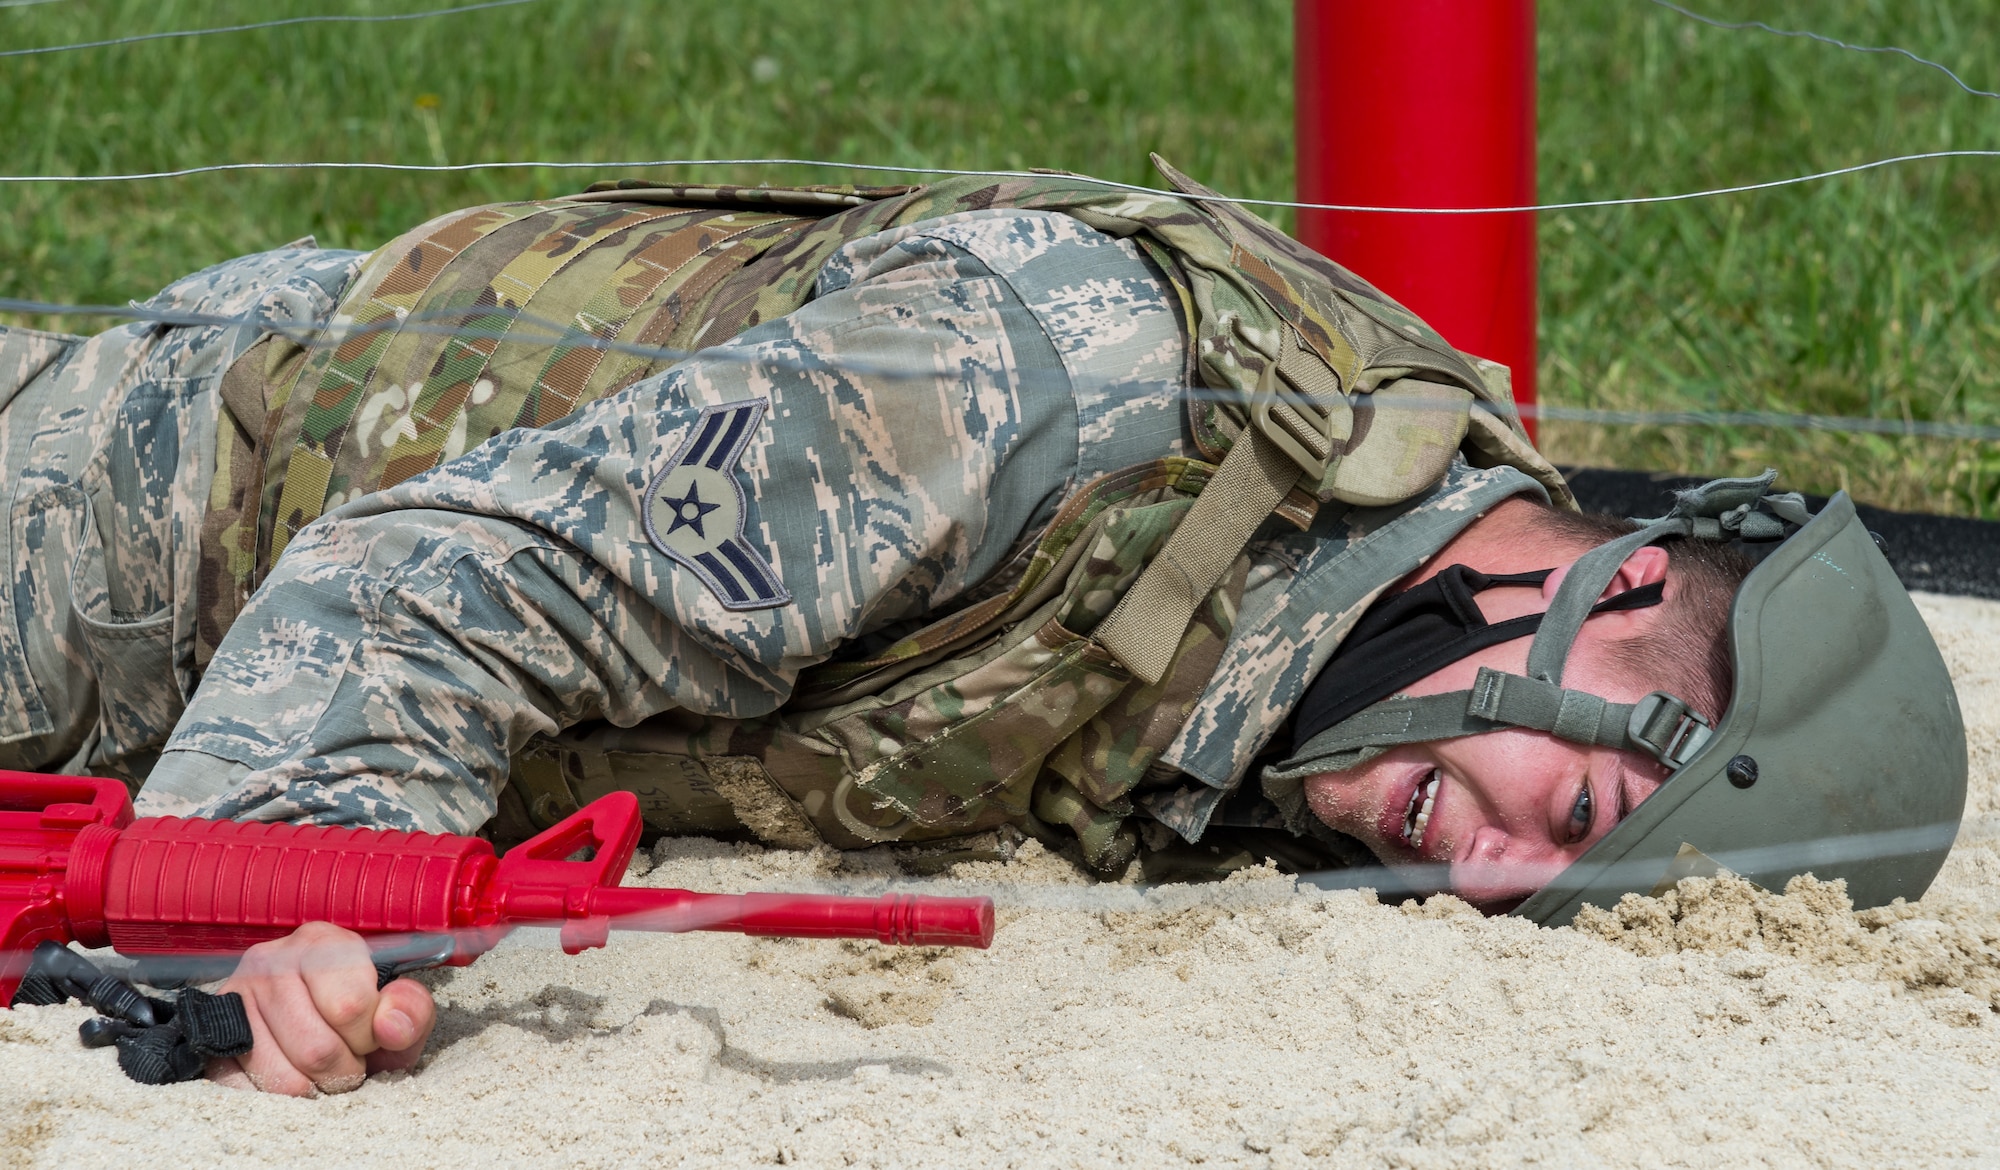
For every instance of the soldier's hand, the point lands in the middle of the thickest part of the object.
(319, 1023)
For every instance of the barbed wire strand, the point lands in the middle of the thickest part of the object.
(1765, 419)
(1827, 40)
(554, 333)
(1828, 850)
(1571, 205)
(543, 331)
(386, 18)
(1110, 184)
(235, 28)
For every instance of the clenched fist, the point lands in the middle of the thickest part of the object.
(320, 1025)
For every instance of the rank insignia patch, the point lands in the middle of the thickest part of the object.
(694, 510)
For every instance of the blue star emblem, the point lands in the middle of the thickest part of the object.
(706, 536)
(689, 510)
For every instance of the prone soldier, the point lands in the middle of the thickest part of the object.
(920, 518)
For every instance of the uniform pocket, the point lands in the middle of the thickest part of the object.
(958, 747)
(131, 655)
(25, 354)
(1022, 703)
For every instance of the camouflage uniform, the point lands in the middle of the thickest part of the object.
(897, 444)
(108, 447)
(1002, 357)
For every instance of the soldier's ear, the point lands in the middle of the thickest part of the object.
(1645, 566)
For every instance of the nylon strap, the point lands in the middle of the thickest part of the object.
(1146, 627)
(1577, 597)
(1496, 701)
(1536, 700)
(1520, 701)
(1659, 724)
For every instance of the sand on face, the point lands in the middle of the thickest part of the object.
(1241, 1024)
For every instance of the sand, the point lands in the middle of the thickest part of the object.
(1241, 1024)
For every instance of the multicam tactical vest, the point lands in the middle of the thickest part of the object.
(1045, 700)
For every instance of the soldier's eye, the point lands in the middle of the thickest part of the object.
(1580, 815)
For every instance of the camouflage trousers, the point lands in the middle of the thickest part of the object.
(106, 448)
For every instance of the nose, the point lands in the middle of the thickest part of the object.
(1496, 867)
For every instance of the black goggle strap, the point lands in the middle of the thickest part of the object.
(1485, 635)
(1454, 588)
(1660, 724)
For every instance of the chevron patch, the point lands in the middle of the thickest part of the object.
(694, 510)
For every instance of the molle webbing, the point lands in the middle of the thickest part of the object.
(336, 376)
(461, 366)
(484, 320)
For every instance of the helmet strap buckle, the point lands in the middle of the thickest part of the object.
(1668, 728)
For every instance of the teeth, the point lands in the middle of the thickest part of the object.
(1419, 816)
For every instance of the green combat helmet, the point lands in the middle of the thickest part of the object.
(1842, 753)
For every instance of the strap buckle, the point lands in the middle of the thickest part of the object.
(1298, 405)
(1668, 728)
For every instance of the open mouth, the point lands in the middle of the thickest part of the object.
(1417, 817)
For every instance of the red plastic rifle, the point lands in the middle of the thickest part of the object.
(75, 867)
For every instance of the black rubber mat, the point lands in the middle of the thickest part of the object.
(1937, 554)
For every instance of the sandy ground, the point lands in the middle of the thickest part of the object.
(1235, 1025)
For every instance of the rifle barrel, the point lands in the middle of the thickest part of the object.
(910, 919)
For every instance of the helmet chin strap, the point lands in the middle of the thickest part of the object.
(1662, 725)
(1585, 581)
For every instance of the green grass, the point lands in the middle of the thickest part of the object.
(1868, 295)
(1872, 295)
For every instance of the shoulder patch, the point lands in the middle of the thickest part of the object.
(694, 509)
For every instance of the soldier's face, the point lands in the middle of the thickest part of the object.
(1502, 813)
(1505, 811)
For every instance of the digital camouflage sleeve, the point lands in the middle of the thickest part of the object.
(821, 478)
(107, 448)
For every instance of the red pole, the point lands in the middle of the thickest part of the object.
(1426, 103)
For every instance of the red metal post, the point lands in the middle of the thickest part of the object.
(1426, 103)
